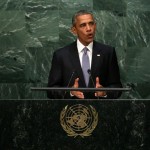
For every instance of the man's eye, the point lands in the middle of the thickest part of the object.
(82, 25)
(91, 23)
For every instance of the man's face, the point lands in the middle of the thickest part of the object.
(84, 28)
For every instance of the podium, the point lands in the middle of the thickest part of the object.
(37, 124)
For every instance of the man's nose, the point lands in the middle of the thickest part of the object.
(88, 27)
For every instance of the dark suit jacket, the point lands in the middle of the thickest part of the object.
(66, 66)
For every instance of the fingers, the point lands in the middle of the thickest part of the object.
(97, 80)
(98, 85)
(78, 94)
(100, 94)
(76, 83)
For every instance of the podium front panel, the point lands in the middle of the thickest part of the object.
(74, 124)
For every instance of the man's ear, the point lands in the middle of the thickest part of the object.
(73, 30)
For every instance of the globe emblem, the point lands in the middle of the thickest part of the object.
(79, 120)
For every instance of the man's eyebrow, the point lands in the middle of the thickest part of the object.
(83, 24)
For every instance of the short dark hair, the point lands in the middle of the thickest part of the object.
(79, 13)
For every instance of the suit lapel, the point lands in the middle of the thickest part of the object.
(76, 63)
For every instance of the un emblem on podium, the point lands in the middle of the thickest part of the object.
(79, 120)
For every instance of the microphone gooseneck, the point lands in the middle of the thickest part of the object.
(70, 79)
(89, 72)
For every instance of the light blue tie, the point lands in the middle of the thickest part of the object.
(85, 65)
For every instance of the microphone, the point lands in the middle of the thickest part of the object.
(73, 72)
(89, 72)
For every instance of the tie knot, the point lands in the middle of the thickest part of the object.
(85, 49)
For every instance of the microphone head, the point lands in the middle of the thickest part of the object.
(73, 71)
(89, 71)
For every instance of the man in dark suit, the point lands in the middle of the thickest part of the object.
(84, 63)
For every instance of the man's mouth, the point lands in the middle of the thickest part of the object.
(90, 35)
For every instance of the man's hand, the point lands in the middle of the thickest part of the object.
(98, 85)
(77, 93)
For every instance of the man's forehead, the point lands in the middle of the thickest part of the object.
(85, 18)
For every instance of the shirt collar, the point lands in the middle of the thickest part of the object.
(80, 46)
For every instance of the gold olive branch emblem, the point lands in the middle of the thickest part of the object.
(79, 120)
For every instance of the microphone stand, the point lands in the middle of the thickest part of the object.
(68, 84)
(89, 72)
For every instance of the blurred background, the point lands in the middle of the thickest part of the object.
(31, 30)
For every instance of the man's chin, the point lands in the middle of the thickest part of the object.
(90, 40)
(87, 41)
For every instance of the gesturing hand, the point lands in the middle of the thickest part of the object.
(78, 94)
(98, 85)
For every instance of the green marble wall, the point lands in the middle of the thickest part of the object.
(30, 31)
